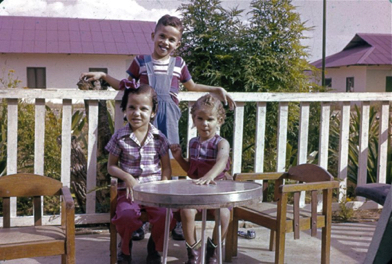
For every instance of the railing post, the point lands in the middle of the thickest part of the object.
(282, 136)
(382, 158)
(238, 137)
(12, 143)
(39, 141)
(344, 149)
(324, 135)
(92, 155)
(260, 136)
(363, 144)
(303, 141)
(66, 143)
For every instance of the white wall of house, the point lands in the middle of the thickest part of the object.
(366, 78)
(62, 70)
(376, 78)
(339, 75)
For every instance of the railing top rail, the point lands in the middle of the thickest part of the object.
(193, 96)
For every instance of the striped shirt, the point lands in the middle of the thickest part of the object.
(141, 161)
(138, 71)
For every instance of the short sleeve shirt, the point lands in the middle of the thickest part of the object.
(141, 161)
(203, 157)
(138, 71)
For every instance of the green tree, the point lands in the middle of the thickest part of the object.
(264, 54)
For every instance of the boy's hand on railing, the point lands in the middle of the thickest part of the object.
(224, 96)
(92, 76)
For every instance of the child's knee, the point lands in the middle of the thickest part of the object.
(128, 217)
(188, 213)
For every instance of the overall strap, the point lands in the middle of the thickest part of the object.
(150, 70)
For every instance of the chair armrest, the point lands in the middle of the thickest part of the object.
(68, 219)
(313, 186)
(68, 212)
(258, 176)
(69, 202)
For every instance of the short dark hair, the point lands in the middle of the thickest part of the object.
(143, 89)
(168, 20)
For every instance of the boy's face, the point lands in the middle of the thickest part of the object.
(166, 39)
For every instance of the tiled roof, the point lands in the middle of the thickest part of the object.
(363, 49)
(73, 35)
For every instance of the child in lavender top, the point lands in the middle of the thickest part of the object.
(138, 153)
(208, 162)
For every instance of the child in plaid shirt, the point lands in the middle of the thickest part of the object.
(138, 153)
(209, 161)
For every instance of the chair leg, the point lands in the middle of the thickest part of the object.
(280, 247)
(113, 244)
(235, 237)
(280, 229)
(229, 239)
(272, 240)
(326, 230)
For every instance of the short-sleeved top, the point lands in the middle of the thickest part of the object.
(141, 161)
(202, 157)
(138, 71)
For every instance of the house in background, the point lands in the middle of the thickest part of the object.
(364, 65)
(53, 52)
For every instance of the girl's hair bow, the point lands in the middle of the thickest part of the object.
(127, 84)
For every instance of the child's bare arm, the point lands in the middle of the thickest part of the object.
(221, 160)
(115, 171)
(165, 167)
(176, 152)
(219, 92)
(94, 76)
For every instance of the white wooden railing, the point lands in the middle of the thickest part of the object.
(68, 97)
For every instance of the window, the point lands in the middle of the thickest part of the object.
(388, 84)
(350, 84)
(328, 82)
(105, 70)
(36, 77)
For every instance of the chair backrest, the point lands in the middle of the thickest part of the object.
(176, 169)
(308, 173)
(27, 185)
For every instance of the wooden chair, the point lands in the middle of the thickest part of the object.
(281, 217)
(37, 240)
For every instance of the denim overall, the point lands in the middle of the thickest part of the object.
(168, 113)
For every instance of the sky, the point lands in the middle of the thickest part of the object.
(344, 18)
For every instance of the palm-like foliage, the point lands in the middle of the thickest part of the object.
(355, 124)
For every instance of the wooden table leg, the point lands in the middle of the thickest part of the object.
(166, 235)
(218, 225)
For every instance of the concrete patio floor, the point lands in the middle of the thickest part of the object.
(350, 242)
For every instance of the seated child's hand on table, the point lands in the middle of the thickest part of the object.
(204, 180)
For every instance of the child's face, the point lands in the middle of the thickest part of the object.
(139, 110)
(206, 121)
(166, 39)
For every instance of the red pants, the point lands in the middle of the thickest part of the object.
(127, 221)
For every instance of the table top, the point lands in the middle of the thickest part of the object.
(186, 194)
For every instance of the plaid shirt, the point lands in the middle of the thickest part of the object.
(203, 156)
(142, 162)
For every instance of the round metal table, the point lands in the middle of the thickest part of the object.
(185, 194)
